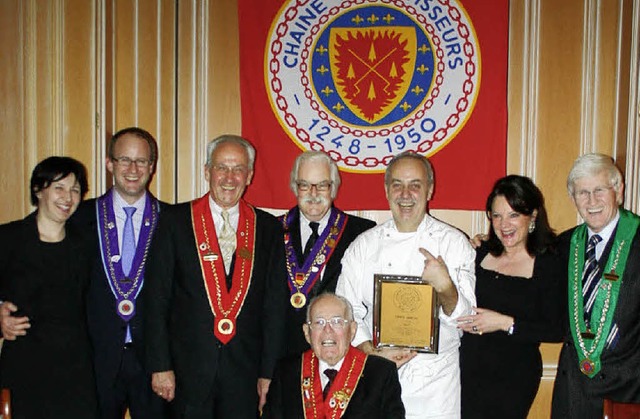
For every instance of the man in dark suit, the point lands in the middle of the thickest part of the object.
(601, 354)
(333, 378)
(216, 295)
(114, 312)
(316, 234)
(120, 244)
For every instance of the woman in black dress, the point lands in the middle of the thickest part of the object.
(520, 291)
(44, 273)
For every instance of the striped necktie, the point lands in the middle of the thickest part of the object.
(590, 277)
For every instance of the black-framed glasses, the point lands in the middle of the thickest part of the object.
(323, 186)
(126, 161)
(336, 323)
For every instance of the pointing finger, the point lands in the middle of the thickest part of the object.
(426, 253)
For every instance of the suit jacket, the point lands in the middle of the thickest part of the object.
(296, 342)
(377, 394)
(48, 370)
(179, 322)
(106, 328)
(619, 378)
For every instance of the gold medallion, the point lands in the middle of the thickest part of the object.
(298, 300)
(587, 366)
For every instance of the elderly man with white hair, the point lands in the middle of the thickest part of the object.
(333, 379)
(601, 355)
(316, 234)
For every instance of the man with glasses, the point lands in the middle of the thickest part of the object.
(122, 223)
(333, 379)
(124, 220)
(414, 243)
(216, 295)
(316, 234)
(601, 355)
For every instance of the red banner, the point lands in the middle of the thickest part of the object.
(367, 79)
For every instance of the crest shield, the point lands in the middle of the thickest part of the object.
(372, 68)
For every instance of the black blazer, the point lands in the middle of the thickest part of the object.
(377, 394)
(619, 377)
(106, 328)
(49, 370)
(178, 318)
(296, 342)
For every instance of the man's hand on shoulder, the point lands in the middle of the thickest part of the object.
(476, 241)
(11, 326)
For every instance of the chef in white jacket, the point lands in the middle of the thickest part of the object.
(414, 243)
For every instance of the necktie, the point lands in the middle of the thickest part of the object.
(312, 239)
(331, 373)
(128, 241)
(590, 277)
(227, 241)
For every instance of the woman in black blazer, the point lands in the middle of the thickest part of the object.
(44, 274)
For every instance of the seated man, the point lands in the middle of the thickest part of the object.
(360, 386)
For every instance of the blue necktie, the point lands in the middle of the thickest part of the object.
(590, 277)
(128, 241)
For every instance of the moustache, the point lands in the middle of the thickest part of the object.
(314, 200)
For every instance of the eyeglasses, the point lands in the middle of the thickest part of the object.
(235, 170)
(323, 186)
(126, 161)
(336, 323)
(598, 193)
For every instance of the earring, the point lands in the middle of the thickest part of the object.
(532, 226)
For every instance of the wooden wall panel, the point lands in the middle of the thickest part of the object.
(78, 77)
(558, 103)
(13, 166)
(140, 77)
(47, 90)
(224, 74)
(190, 131)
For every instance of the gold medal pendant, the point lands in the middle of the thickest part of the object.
(298, 300)
(587, 366)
